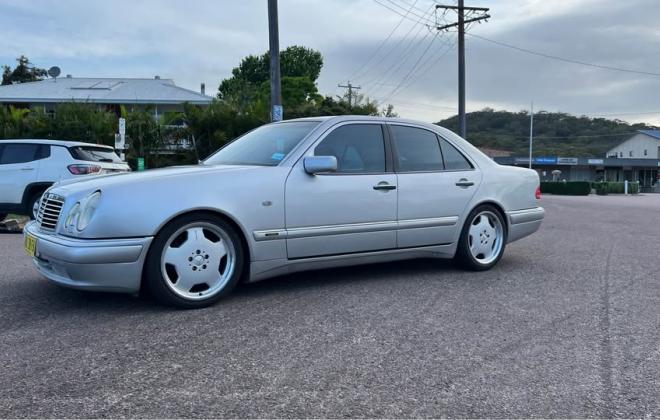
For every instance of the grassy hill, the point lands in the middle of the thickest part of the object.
(555, 133)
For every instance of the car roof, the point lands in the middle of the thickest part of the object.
(342, 118)
(51, 142)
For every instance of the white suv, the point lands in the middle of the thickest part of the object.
(29, 167)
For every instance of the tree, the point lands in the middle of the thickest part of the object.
(23, 72)
(12, 122)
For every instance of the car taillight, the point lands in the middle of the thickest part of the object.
(538, 192)
(84, 169)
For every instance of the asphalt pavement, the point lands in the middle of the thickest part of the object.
(567, 325)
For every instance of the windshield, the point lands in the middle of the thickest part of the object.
(94, 154)
(264, 146)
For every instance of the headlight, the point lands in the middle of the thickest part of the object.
(87, 209)
(72, 218)
(82, 212)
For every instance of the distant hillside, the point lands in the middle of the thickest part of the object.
(555, 134)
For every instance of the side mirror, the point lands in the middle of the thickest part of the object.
(316, 164)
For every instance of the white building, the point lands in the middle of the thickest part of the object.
(643, 145)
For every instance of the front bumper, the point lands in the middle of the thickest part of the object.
(107, 265)
(524, 222)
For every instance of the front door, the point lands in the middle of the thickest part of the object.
(350, 210)
(435, 182)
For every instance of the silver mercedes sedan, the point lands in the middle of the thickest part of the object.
(295, 195)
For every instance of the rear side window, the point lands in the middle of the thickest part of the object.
(454, 160)
(94, 154)
(359, 148)
(19, 153)
(417, 149)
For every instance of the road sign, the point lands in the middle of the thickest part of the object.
(278, 113)
(140, 164)
(120, 140)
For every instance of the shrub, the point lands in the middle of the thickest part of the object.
(615, 188)
(566, 188)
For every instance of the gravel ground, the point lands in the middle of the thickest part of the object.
(567, 325)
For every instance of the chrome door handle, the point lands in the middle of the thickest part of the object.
(384, 186)
(464, 183)
(27, 169)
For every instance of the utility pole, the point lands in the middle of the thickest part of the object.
(531, 133)
(350, 88)
(461, 9)
(276, 111)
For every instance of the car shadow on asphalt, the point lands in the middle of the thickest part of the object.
(58, 299)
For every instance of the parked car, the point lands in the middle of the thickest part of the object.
(289, 196)
(29, 167)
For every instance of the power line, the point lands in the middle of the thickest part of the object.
(567, 60)
(413, 68)
(400, 42)
(382, 44)
(425, 22)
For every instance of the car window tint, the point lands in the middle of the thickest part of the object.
(359, 148)
(417, 149)
(18, 153)
(454, 160)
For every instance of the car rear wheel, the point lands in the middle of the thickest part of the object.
(483, 239)
(194, 261)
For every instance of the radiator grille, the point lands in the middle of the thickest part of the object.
(49, 211)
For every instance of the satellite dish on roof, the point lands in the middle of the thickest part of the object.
(54, 72)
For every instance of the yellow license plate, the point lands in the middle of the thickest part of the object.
(30, 245)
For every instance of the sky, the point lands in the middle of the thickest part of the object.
(393, 59)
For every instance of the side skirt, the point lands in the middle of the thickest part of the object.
(260, 270)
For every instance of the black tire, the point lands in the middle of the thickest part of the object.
(464, 257)
(34, 198)
(156, 282)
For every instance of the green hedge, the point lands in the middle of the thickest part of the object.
(566, 188)
(604, 188)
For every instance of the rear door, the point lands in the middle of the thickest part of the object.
(435, 183)
(350, 210)
(19, 166)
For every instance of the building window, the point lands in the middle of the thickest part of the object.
(620, 154)
(646, 152)
(630, 153)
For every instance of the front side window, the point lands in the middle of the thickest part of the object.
(417, 149)
(359, 148)
(19, 153)
(267, 145)
(454, 160)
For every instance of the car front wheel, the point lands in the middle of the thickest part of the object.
(482, 240)
(194, 261)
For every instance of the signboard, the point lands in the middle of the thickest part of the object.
(595, 161)
(120, 140)
(140, 164)
(545, 160)
(520, 161)
(278, 113)
(567, 161)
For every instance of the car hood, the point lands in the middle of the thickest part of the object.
(101, 182)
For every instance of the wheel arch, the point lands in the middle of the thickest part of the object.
(32, 189)
(498, 206)
(245, 244)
